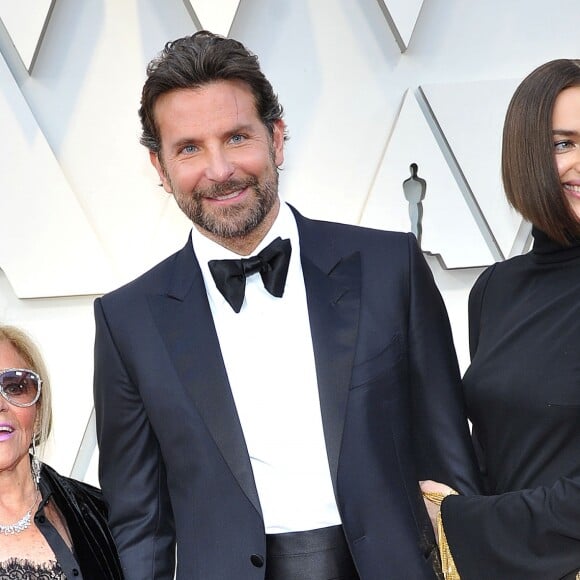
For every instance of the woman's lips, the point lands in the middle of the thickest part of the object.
(6, 431)
(572, 188)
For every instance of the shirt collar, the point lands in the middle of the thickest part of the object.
(284, 226)
(45, 493)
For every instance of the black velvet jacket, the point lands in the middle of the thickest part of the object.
(85, 514)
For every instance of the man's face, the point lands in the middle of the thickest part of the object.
(218, 159)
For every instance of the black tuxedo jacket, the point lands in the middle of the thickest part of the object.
(174, 466)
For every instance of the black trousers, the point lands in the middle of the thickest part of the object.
(320, 554)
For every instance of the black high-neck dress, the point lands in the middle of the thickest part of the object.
(523, 397)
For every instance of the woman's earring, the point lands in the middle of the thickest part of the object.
(36, 465)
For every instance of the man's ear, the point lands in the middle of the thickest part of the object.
(156, 162)
(278, 141)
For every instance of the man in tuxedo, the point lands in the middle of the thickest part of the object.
(268, 397)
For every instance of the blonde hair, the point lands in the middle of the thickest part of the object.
(32, 358)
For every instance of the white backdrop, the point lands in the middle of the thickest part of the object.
(368, 87)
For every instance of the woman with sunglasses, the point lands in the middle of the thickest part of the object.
(51, 527)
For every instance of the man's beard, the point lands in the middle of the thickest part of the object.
(230, 221)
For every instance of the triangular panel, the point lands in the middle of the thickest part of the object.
(48, 247)
(213, 15)
(449, 228)
(471, 117)
(25, 22)
(402, 16)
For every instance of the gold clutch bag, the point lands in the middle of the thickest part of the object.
(447, 563)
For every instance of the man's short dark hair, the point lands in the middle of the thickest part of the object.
(197, 60)
(529, 171)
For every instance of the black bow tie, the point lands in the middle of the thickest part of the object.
(272, 263)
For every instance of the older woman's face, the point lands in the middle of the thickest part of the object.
(566, 136)
(16, 423)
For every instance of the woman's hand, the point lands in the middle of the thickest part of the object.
(433, 506)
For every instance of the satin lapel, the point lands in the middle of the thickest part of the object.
(184, 319)
(333, 295)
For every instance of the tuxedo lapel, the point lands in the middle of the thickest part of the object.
(184, 320)
(333, 294)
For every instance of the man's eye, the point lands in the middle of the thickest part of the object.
(188, 149)
(237, 139)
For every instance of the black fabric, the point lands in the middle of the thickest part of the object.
(271, 263)
(320, 554)
(523, 396)
(85, 514)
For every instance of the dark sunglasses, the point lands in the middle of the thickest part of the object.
(20, 387)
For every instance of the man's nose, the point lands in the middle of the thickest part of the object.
(219, 166)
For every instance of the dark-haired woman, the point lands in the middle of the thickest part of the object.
(523, 385)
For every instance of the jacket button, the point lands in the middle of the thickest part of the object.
(257, 560)
(75, 572)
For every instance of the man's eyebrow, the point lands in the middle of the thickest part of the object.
(242, 128)
(184, 141)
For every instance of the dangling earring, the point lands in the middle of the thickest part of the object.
(35, 464)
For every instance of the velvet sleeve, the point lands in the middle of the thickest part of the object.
(85, 514)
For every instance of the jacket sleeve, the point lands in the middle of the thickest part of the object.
(524, 535)
(131, 468)
(442, 440)
(475, 306)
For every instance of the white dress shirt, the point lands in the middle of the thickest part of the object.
(268, 355)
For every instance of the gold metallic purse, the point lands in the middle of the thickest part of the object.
(447, 563)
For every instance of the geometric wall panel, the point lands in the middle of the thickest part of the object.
(48, 246)
(25, 21)
(84, 92)
(401, 16)
(86, 452)
(450, 229)
(471, 117)
(212, 15)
